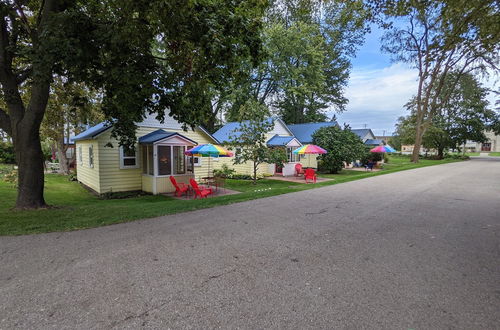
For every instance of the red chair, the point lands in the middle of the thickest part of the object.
(299, 170)
(310, 174)
(180, 188)
(200, 191)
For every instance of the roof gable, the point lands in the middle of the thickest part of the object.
(363, 133)
(93, 131)
(232, 129)
(160, 135)
(278, 140)
(304, 132)
(149, 121)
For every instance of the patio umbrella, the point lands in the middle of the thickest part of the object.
(209, 150)
(386, 148)
(309, 149)
(383, 149)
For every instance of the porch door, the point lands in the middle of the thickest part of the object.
(279, 169)
(486, 147)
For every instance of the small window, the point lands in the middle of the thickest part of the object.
(80, 158)
(151, 166)
(179, 160)
(91, 156)
(192, 162)
(128, 158)
(164, 160)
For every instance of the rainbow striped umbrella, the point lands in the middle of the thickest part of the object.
(386, 148)
(208, 150)
(309, 149)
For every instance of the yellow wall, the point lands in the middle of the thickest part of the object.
(147, 183)
(106, 176)
(85, 174)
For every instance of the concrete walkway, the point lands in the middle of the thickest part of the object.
(418, 249)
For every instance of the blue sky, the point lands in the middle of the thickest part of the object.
(378, 89)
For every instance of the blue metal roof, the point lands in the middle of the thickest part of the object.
(304, 132)
(226, 132)
(279, 140)
(93, 131)
(160, 135)
(231, 130)
(361, 132)
(373, 142)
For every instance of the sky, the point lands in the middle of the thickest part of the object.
(378, 88)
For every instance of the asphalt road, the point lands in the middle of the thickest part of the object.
(418, 249)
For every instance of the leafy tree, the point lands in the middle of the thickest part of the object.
(145, 55)
(70, 107)
(440, 37)
(342, 145)
(250, 140)
(463, 115)
(306, 62)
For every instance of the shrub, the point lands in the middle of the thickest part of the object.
(7, 155)
(224, 171)
(342, 145)
(122, 194)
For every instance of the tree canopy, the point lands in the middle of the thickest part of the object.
(438, 37)
(342, 145)
(145, 56)
(307, 47)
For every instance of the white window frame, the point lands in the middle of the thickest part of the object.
(80, 158)
(197, 163)
(123, 157)
(155, 160)
(91, 159)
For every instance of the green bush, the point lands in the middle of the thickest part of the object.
(224, 171)
(7, 155)
(455, 156)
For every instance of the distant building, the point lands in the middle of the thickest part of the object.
(492, 145)
(407, 149)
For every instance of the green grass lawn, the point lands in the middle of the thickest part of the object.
(75, 208)
(494, 154)
(467, 153)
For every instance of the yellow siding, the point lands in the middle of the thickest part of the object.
(147, 183)
(85, 174)
(113, 179)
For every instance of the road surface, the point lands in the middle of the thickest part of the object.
(417, 249)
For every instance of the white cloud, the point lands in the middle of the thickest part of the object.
(377, 96)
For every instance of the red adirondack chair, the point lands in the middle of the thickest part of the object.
(200, 191)
(299, 170)
(310, 174)
(180, 188)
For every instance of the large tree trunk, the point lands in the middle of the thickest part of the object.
(61, 155)
(418, 143)
(441, 152)
(29, 158)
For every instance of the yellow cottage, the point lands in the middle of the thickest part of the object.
(104, 166)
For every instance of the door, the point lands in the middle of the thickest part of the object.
(486, 147)
(278, 169)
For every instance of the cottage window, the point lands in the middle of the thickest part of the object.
(291, 157)
(80, 159)
(179, 160)
(91, 156)
(193, 162)
(128, 158)
(164, 160)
